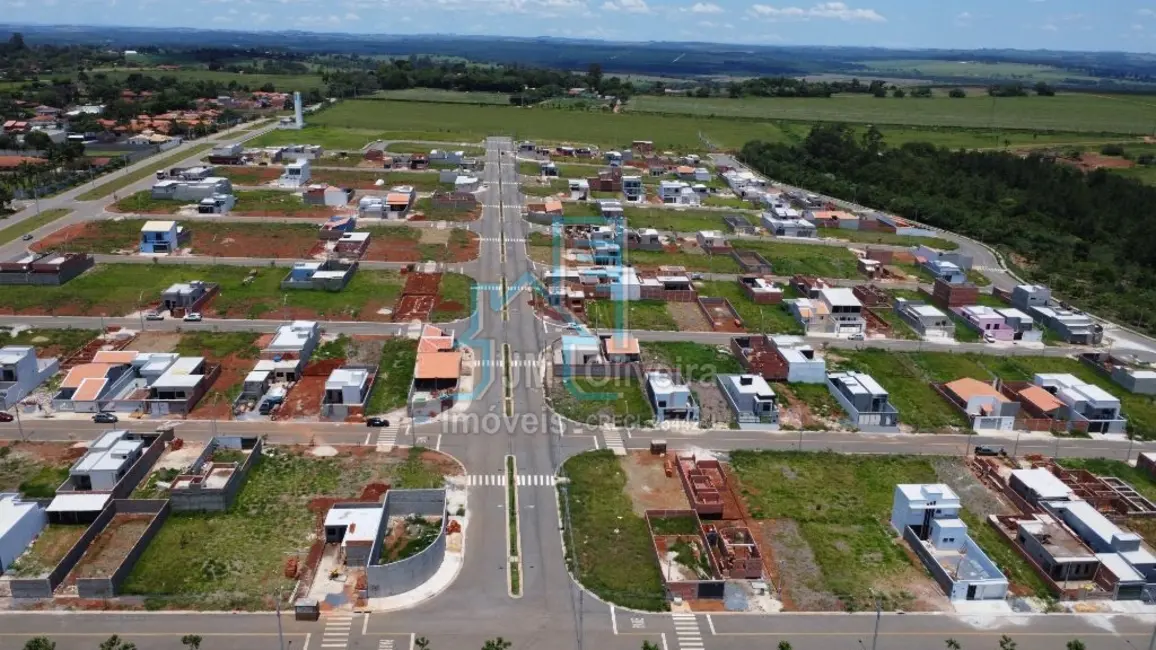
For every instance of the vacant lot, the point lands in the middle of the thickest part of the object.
(277, 203)
(49, 343)
(684, 221)
(118, 289)
(888, 238)
(35, 469)
(769, 319)
(610, 552)
(47, 551)
(694, 361)
(394, 376)
(111, 546)
(593, 401)
(208, 561)
(207, 238)
(143, 202)
(635, 314)
(426, 147)
(447, 96)
(406, 244)
(805, 259)
(1075, 112)
(842, 510)
(236, 352)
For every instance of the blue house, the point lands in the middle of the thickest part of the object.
(160, 237)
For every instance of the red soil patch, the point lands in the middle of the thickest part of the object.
(410, 307)
(382, 249)
(422, 283)
(1092, 161)
(207, 239)
(216, 403)
(342, 178)
(303, 400)
(78, 237)
(472, 215)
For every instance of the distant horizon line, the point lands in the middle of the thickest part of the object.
(434, 35)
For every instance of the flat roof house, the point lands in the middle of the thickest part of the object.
(835, 311)
(346, 391)
(161, 237)
(105, 462)
(760, 290)
(670, 398)
(186, 296)
(620, 347)
(713, 241)
(1037, 485)
(752, 399)
(325, 195)
(788, 227)
(1084, 402)
(296, 174)
(329, 275)
(927, 321)
(1058, 552)
(1071, 325)
(21, 372)
(867, 404)
(191, 191)
(20, 522)
(985, 320)
(632, 188)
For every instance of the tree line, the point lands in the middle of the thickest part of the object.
(1086, 235)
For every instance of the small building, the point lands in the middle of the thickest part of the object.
(987, 409)
(927, 321)
(371, 207)
(161, 237)
(835, 311)
(88, 387)
(1139, 381)
(947, 272)
(295, 340)
(646, 239)
(346, 391)
(670, 398)
(1022, 326)
(712, 241)
(620, 348)
(186, 296)
(548, 168)
(325, 195)
(632, 189)
(760, 290)
(867, 404)
(21, 372)
(985, 320)
(1059, 554)
(794, 227)
(751, 398)
(355, 527)
(1084, 402)
(105, 462)
(1070, 325)
(579, 189)
(296, 174)
(832, 219)
(352, 245)
(437, 373)
(466, 183)
(739, 224)
(20, 522)
(217, 204)
(330, 275)
(1037, 485)
(336, 226)
(950, 295)
(927, 516)
(227, 154)
(678, 193)
(190, 191)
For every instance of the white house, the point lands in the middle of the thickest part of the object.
(296, 174)
(677, 192)
(670, 398)
(160, 237)
(105, 462)
(20, 523)
(751, 398)
(21, 372)
(1084, 402)
(579, 189)
(916, 505)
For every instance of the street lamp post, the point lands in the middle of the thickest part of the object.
(280, 635)
(878, 616)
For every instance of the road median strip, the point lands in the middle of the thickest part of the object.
(21, 228)
(120, 182)
(513, 542)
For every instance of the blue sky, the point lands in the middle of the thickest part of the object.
(1026, 24)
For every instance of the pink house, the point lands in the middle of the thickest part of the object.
(986, 320)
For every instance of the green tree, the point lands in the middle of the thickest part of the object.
(1006, 643)
(1075, 644)
(6, 196)
(40, 643)
(497, 644)
(192, 641)
(114, 642)
(784, 645)
(594, 76)
(421, 643)
(951, 644)
(647, 645)
(957, 93)
(898, 93)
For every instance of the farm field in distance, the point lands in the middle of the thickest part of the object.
(1075, 112)
(354, 123)
(449, 96)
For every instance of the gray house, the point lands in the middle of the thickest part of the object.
(21, 372)
(1069, 324)
(927, 321)
(752, 399)
(867, 404)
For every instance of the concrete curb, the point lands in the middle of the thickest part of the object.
(513, 508)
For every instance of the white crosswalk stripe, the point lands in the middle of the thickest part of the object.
(613, 441)
(514, 363)
(336, 634)
(687, 632)
(385, 644)
(499, 480)
(510, 240)
(387, 436)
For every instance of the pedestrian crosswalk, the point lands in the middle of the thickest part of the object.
(514, 363)
(336, 633)
(499, 480)
(487, 286)
(385, 644)
(986, 269)
(614, 441)
(387, 437)
(687, 632)
(510, 240)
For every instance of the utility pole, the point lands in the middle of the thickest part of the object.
(878, 616)
(280, 635)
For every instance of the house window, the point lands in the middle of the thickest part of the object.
(661, 403)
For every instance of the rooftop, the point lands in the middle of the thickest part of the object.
(1046, 486)
(10, 354)
(438, 365)
(158, 226)
(840, 296)
(927, 492)
(361, 523)
(346, 377)
(1040, 398)
(968, 388)
(12, 509)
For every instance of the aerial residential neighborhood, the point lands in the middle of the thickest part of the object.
(349, 342)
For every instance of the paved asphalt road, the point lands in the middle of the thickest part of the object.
(553, 613)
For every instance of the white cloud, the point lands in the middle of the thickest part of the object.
(1049, 27)
(705, 8)
(1147, 12)
(627, 6)
(963, 19)
(823, 10)
(1137, 27)
(352, 16)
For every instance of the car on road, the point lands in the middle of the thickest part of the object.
(193, 317)
(153, 315)
(6, 417)
(988, 450)
(27, 237)
(105, 418)
(856, 337)
(376, 422)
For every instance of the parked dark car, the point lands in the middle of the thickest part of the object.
(376, 422)
(986, 450)
(6, 417)
(105, 418)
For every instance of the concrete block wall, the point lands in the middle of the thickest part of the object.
(43, 587)
(402, 576)
(139, 470)
(106, 587)
(215, 500)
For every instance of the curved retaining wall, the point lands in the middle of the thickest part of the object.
(408, 574)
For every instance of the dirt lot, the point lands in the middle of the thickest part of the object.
(648, 485)
(715, 409)
(411, 307)
(248, 174)
(110, 547)
(47, 551)
(800, 577)
(1089, 161)
(431, 245)
(688, 317)
(303, 400)
(156, 341)
(424, 284)
(210, 239)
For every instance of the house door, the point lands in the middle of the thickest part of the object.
(971, 592)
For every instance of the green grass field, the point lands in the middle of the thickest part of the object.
(50, 342)
(394, 375)
(888, 238)
(849, 535)
(425, 147)
(684, 221)
(805, 259)
(593, 401)
(769, 319)
(694, 361)
(608, 546)
(447, 96)
(17, 230)
(1026, 73)
(1072, 112)
(640, 314)
(119, 179)
(118, 289)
